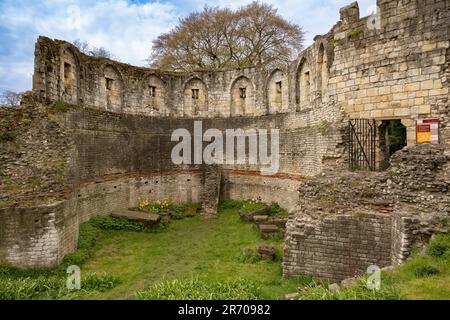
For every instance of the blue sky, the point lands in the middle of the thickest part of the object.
(124, 27)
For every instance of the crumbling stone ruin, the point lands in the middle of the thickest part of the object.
(94, 136)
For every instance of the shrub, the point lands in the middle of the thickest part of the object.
(59, 106)
(277, 211)
(248, 256)
(439, 246)
(252, 205)
(422, 271)
(230, 204)
(176, 211)
(77, 258)
(195, 289)
(88, 236)
(110, 223)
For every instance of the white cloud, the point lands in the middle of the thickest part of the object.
(124, 28)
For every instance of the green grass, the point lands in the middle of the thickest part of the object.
(426, 277)
(195, 289)
(209, 251)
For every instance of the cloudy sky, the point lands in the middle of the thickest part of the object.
(125, 27)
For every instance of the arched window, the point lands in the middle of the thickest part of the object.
(242, 97)
(153, 93)
(112, 89)
(322, 72)
(195, 97)
(303, 84)
(277, 94)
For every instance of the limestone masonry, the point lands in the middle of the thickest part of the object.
(94, 136)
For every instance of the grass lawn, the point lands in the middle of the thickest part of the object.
(208, 249)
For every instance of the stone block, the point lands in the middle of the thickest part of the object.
(424, 109)
(334, 287)
(148, 218)
(265, 251)
(403, 112)
(292, 296)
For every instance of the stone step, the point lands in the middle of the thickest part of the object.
(148, 218)
(280, 222)
(259, 219)
(270, 230)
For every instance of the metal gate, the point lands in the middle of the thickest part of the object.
(361, 151)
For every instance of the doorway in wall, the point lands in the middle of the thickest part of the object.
(392, 138)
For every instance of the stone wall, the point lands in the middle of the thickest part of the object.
(38, 236)
(346, 221)
(337, 247)
(394, 65)
(342, 246)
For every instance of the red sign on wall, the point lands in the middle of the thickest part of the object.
(427, 131)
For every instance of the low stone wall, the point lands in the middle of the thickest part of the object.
(108, 194)
(38, 236)
(343, 246)
(282, 189)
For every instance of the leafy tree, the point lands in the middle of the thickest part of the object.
(214, 39)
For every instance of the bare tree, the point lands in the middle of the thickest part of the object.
(100, 52)
(254, 35)
(10, 99)
(84, 47)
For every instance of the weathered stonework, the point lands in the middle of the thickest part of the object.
(97, 138)
(349, 221)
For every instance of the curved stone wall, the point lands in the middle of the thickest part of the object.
(62, 72)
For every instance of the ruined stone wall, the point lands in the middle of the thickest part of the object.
(38, 236)
(241, 185)
(109, 143)
(348, 221)
(108, 194)
(391, 65)
(394, 65)
(64, 73)
(342, 246)
(337, 247)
